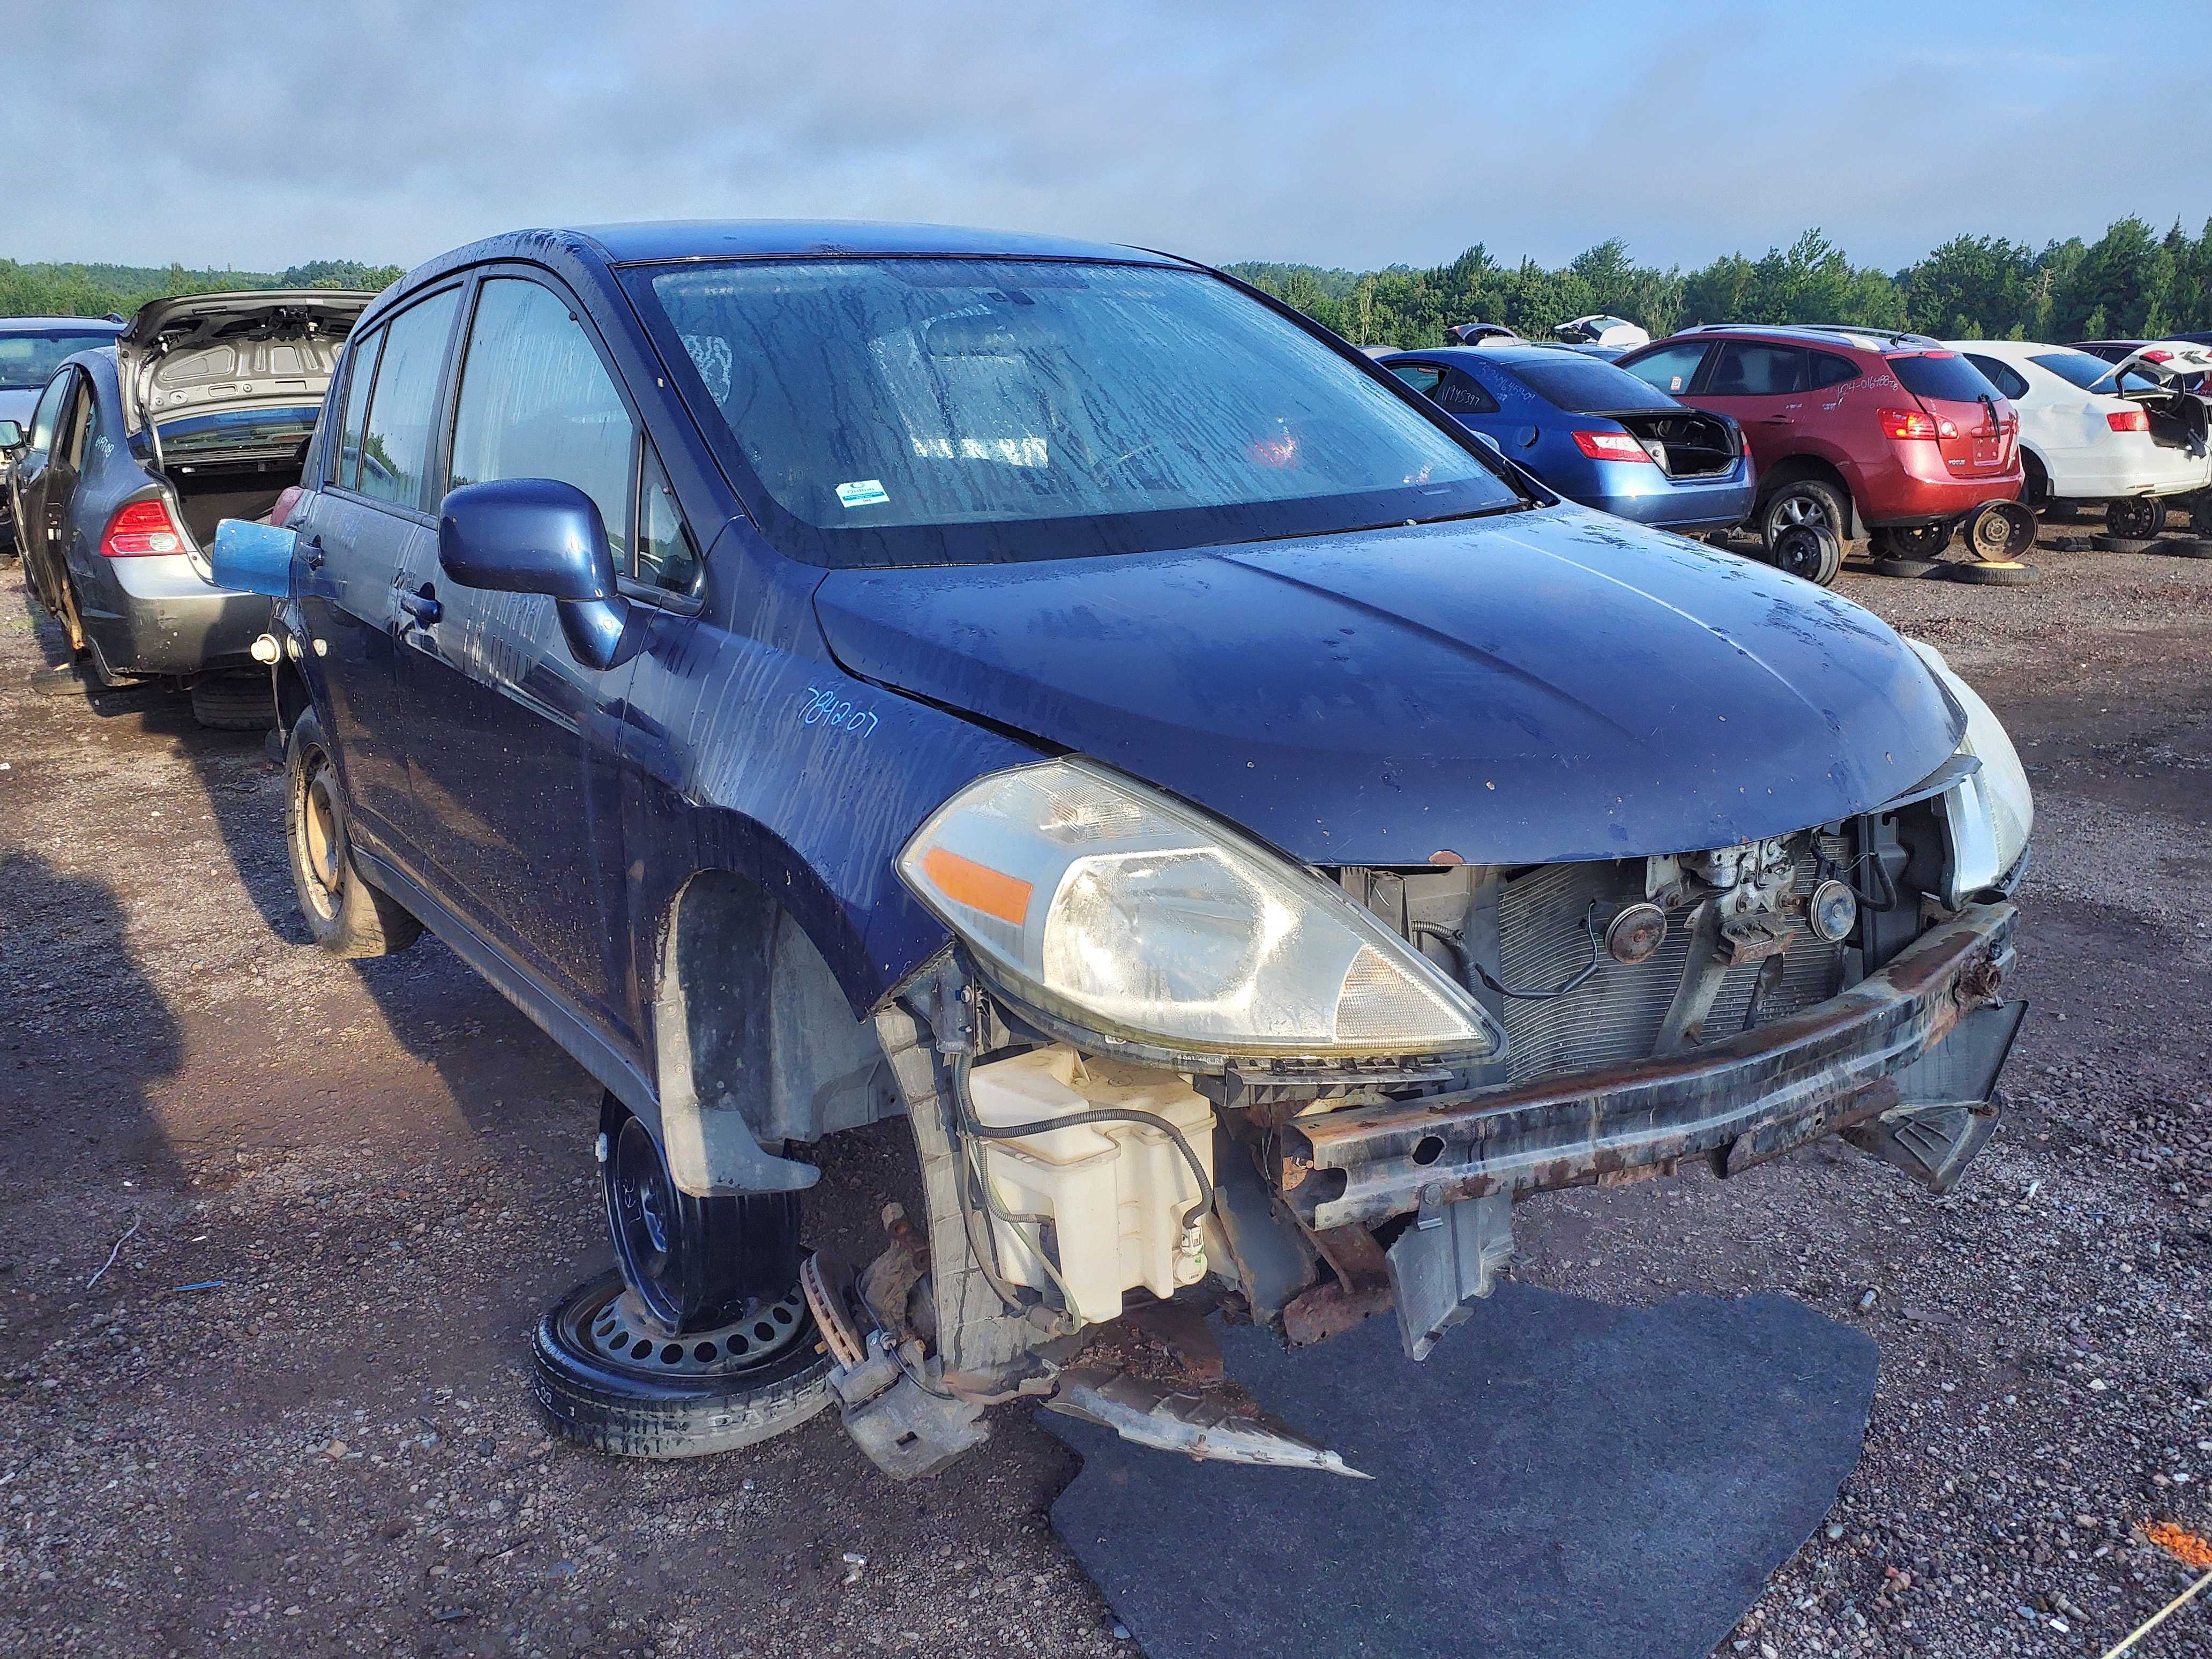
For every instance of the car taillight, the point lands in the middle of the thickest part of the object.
(1610, 447)
(1905, 422)
(2156, 356)
(2128, 420)
(140, 530)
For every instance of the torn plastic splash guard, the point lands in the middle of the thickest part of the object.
(1752, 1098)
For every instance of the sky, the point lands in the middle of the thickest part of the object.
(253, 134)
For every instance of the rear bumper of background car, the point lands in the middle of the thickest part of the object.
(1827, 1069)
(2161, 472)
(158, 616)
(1667, 503)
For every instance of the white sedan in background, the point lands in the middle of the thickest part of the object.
(2123, 433)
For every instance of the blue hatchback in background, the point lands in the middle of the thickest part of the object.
(1596, 434)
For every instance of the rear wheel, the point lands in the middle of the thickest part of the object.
(2200, 516)
(234, 702)
(2136, 518)
(347, 916)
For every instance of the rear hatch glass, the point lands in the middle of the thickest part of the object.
(1975, 426)
(1586, 385)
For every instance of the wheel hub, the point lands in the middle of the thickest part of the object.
(623, 1334)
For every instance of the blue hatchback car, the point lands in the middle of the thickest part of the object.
(1058, 734)
(1596, 434)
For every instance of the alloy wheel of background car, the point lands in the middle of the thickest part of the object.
(1917, 541)
(606, 1376)
(1998, 532)
(1807, 550)
(692, 1263)
(2139, 518)
(347, 916)
(2007, 574)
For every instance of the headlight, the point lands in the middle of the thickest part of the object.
(1111, 906)
(1991, 814)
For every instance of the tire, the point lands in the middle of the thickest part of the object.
(692, 1263)
(2137, 517)
(1991, 575)
(2200, 515)
(645, 1407)
(2187, 547)
(1806, 551)
(1907, 568)
(2106, 544)
(234, 702)
(1805, 501)
(347, 917)
(1919, 541)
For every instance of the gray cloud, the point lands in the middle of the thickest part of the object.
(257, 134)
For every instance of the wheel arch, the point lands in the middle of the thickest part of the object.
(1795, 469)
(754, 1036)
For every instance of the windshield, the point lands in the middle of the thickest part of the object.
(230, 431)
(1586, 386)
(953, 411)
(1943, 375)
(27, 361)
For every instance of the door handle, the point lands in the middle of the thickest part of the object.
(312, 550)
(1777, 419)
(423, 605)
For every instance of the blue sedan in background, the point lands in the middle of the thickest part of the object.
(1593, 433)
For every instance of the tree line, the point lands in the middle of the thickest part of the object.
(96, 290)
(2131, 282)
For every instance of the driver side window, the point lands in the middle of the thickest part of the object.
(49, 412)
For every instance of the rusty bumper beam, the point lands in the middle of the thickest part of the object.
(1747, 1099)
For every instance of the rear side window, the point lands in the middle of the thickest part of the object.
(1669, 368)
(535, 403)
(2001, 375)
(403, 406)
(362, 375)
(1584, 385)
(1751, 368)
(1943, 375)
(1829, 369)
(1463, 394)
(1424, 378)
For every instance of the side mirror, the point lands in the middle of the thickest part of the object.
(541, 536)
(253, 558)
(11, 434)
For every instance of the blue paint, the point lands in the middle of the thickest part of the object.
(253, 558)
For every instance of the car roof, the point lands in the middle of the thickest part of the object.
(753, 238)
(1829, 335)
(47, 325)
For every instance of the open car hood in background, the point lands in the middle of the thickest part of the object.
(186, 322)
(1536, 687)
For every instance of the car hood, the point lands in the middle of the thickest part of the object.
(1545, 686)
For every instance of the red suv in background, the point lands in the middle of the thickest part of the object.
(1856, 430)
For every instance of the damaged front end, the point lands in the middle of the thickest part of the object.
(1118, 1133)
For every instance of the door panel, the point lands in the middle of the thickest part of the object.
(512, 743)
(1766, 388)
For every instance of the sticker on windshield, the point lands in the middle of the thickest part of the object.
(1673, 383)
(867, 492)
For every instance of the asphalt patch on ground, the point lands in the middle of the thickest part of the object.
(1559, 1478)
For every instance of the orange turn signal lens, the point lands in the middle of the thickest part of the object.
(977, 886)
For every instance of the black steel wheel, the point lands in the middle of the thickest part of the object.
(692, 1262)
(2200, 515)
(1911, 541)
(2138, 518)
(1807, 550)
(607, 1375)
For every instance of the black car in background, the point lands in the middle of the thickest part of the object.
(31, 349)
(198, 409)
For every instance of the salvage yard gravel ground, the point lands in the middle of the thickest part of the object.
(290, 1416)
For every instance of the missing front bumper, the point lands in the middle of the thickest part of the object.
(1832, 1068)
